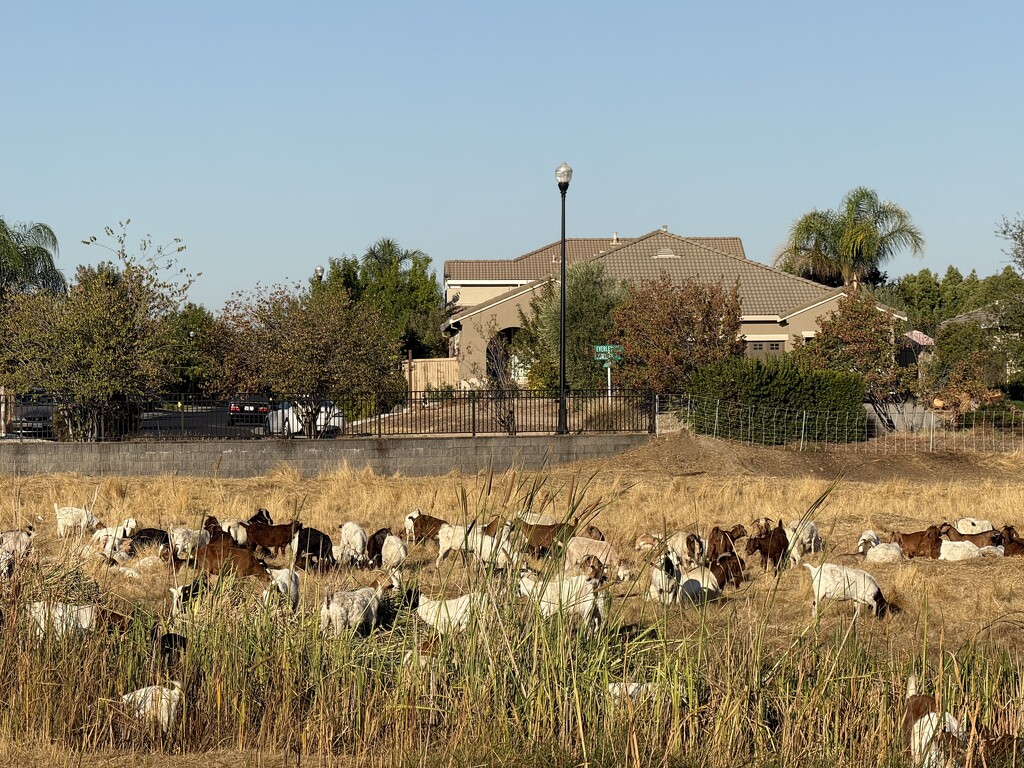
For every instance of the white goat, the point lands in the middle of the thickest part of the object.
(17, 543)
(451, 538)
(887, 552)
(969, 525)
(348, 610)
(61, 619)
(698, 585)
(495, 551)
(236, 529)
(930, 731)
(687, 548)
(351, 546)
(110, 538)
(664, 580)
(578, 548)
(574, 596)
(647, 542)
(187, 541)
(409, 531)
(284, 581)
(451, 615)
(958, 550)
(804, 539)
(838, 582)
(70, 519)
(155, 705)
(393, 553)
(538, 518)
(867, 540)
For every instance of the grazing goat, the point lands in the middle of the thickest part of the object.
(541, 539)
(154, 706)
(574, 596)
(838, 582)
(928, 735)
(71, 519)
(987, 538)
(452, 538)
(393, 553)
(348, 610)
(351, 547)
(804, 539)
(888, 552)
(452, 615)
(647, 542)
(420, 527)
(284, 581)
(924, 543)
(721, 541)
(578, 547)
(17, 543)
(772, 547)
(219, 558)
(187, 541)
(375, 547)
(182, 597)
(313, 549)
(689, 549)
(269, 538)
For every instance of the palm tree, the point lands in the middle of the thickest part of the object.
(27, 252)
(851, 242)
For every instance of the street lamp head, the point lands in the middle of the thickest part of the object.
(319, 272)
(563, 175)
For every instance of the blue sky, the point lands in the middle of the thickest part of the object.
(270, 137)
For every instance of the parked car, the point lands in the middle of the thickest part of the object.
(32, 415)
(248, 409)
(285, 420)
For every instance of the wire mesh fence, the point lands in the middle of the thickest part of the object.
(907, 429)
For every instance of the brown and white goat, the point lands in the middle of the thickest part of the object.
(983, 539)
(926, 543)
(772, 547)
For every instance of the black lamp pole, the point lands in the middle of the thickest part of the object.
(563, 174)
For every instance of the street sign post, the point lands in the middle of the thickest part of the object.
(610, 354)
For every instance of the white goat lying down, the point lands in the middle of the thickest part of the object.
(574, 596)
(875, 551)
(187, 541)
(451, 615)
(154, 706)
(348, 610)
(969, 525)
(74, 519)
(838, 582)
(110, 538)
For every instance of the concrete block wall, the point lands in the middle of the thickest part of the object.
(408, 456)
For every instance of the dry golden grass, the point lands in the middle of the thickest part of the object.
(953, 613)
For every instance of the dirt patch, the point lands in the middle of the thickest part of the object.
(683, 454)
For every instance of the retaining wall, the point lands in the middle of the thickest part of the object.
(408, 456)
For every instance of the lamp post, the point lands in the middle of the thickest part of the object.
(563, 174)
(318, 273)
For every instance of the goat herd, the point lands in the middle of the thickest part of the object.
(684, 568)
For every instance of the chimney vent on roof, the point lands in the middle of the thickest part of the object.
(615, 238)
(664, 227)
(665, 253)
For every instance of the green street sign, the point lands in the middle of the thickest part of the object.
(608, 352)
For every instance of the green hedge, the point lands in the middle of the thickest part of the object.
(776, 401)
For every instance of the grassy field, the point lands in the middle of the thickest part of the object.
(749, 680)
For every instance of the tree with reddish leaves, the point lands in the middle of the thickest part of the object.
(668, 330)
(863, 338)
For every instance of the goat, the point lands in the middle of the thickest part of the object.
(451, 615)
(689, 549)
(540, 539)
(772, 548)
(969, 525)
(867, 540)
(17, 543)
(721, 541)
(646, 542)
(591, 532)
(1012, 546)
(578, 547)
(355, 609)
(393, 553)
(220, 558)
(420, 527)
(664, 581)
(838, 582)
(452, 538)
(888, 552)
(271, 537)
(924, 543)
(63, 619)
(984, 539)
(217, 533)
(374, 547)
(496, 524)
(187, 541)
(573, 596)
(182, 597)
(154, 706)
(236, 528)
(927, 733)
(804, 539)
(168, 647)
(728, 568)
(313, 549)
(70, 519)
(351, 548)
(150, 536)
(285, 581)
(493, 551)
(110, 537)
(958, 550)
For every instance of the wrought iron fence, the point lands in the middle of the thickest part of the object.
(908, 429)
(431, 412)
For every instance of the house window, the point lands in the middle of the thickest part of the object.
(764, 349)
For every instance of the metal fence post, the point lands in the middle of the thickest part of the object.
(803, 431)
(717, 403)
(653, 427)
(472, 410)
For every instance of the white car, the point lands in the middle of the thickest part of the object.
(289, 420)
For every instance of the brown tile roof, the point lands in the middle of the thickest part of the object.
(545, 261)
(763, 290)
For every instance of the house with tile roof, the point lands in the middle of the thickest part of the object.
(776, 308)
